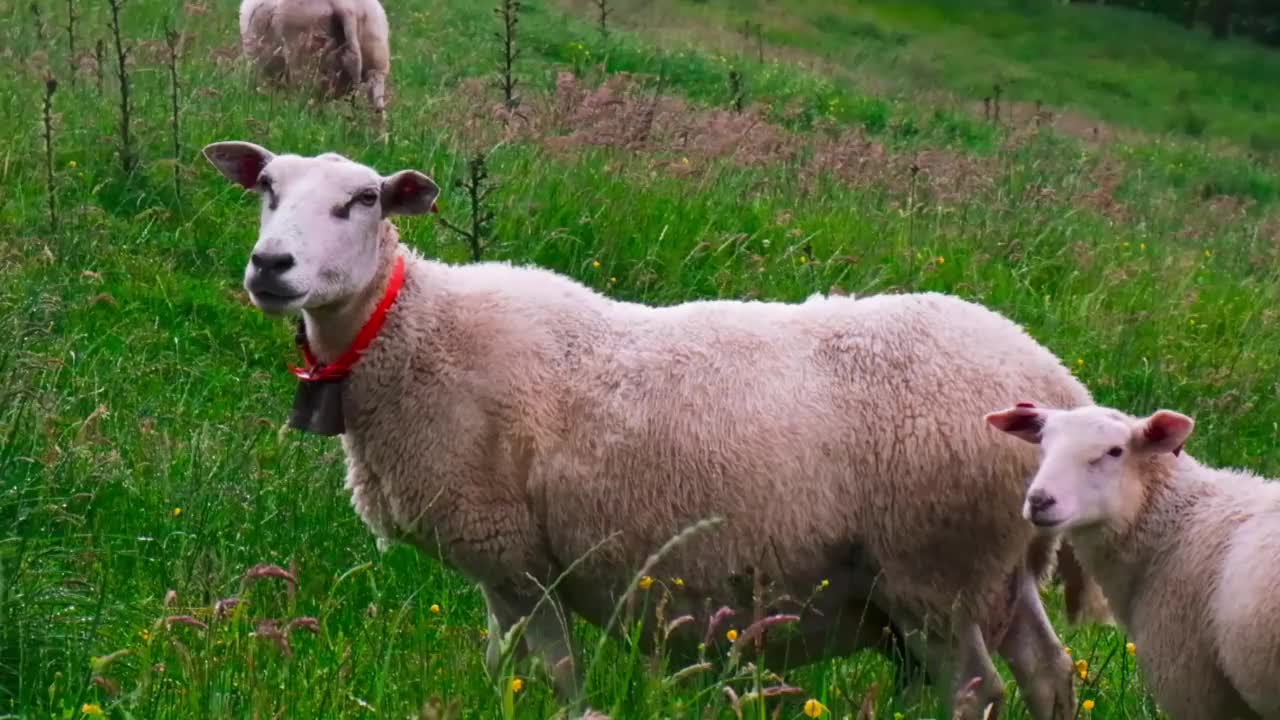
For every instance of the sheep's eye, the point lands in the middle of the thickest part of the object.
(368, 197)
(1115, 452)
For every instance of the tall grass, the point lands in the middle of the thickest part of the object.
(142, 401)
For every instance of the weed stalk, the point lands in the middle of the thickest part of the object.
(127, 160)
(508, 11)
(171, 40)
(71, 40)
(50, 87)
(478, 188)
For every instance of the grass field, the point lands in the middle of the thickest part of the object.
(142, 399)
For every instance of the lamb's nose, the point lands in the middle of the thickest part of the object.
(271, 263)
(1040, 501)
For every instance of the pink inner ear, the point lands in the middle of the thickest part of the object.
(249, 170)
(407, 188)
(1154, 433)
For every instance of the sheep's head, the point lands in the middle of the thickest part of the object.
(1091, 460)
(318, 241)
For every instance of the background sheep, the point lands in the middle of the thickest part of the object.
(342, 43)
(514, 422)
(1188, 556)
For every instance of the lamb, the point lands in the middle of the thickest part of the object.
(1188, 556)
(521, 427)
(345, 42)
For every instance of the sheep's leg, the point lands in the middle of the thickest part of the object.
(975, 684)
(377, 82)
(346, 36)
(1084, 599)
(1034, 653)
(546, 634)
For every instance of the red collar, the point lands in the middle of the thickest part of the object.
(341, 367)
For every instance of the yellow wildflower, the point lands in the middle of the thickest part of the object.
(646, 582)
(1142, 246)
(1208, 253)
(941, 260)
(91, 709)
(435, 609)
(1088, 705)
(613, 281)
(732, 635)
(825, 583)
(1080, 361)
(677, 582)
(813, 708)
(1082, 667)
(72, 165)
(803, 260)
(145, 634)
(595, 264)
(1068, 651)
(177, 512)
(516, 685)
(1131, 649)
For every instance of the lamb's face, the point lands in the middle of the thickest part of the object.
(319, 233)
(1089, 462)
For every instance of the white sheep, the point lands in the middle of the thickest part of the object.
(516, 423)
(1187, 555)
(345, 42)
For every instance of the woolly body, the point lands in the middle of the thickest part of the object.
(346, 41)
(1193, 580)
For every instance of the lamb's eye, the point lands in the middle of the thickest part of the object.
(1115, 452)
(368, 197)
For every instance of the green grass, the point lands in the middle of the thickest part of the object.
(141, 400)
(1107, 65)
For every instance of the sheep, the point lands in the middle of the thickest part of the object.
(1187, 555)
(347, 42)
(544, 440)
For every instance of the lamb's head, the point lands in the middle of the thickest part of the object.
(1093, 461)
(318, 241)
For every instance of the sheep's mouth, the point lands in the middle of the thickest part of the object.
(275, 301)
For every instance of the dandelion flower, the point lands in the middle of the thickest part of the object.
(516, 685)
(1131, 649)
(177, 512)
(595, 264)
(646, 582)
(1082, 667)
(1080, 361)
(813, 708)
(803, 259)
(941, 260)
(91, 709)
(435, 609)
(732, 635)
(1087, 705)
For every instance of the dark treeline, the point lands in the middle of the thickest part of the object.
(1257, 19)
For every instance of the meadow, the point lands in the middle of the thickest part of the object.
(169, 550)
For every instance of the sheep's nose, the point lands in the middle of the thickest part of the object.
(272, 263)
(1040, 501)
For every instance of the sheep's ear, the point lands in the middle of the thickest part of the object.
(1165, 431)
(409, 192)
(240, 162)
(1023, 420)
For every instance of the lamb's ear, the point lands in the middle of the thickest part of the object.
(1164, 431)
(408, 192)
(240, 162)
(1023, 420)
